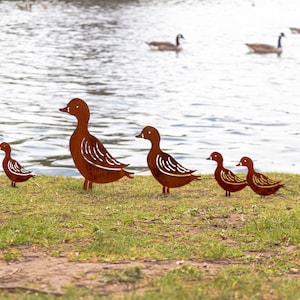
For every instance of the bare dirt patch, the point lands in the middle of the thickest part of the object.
(36, 271)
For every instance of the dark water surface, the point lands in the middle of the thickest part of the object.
(212, 96)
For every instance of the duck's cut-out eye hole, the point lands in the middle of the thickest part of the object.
(245, 161)
(77, 106)
(149, 132)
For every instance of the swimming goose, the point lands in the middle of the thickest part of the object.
(167, 46)
(27, 6)
(265, 49)
(295, 30)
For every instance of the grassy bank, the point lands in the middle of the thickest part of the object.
(203, 245)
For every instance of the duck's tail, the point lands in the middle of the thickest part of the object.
(129, 174)
(197, 177)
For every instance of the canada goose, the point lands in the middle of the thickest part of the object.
(295, 30)
(265, 49)
(167, 46)
(27, 6)
(44, 6)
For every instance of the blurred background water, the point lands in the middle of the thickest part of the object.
(212, 96)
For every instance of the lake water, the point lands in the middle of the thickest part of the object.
(212, 96)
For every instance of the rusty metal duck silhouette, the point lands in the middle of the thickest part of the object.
(90, 157)
(13, 170)
(259, 183)
(164, 168)
(226, 179)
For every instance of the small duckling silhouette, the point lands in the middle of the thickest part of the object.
(259, 183)
(13, 170)
(226, 179)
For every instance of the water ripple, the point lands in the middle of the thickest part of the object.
(210, 97)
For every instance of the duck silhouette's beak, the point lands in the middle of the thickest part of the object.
(239, 164)
(209, 158)
(65, 109)
(141, 136)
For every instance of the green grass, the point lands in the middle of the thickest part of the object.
(242, 247)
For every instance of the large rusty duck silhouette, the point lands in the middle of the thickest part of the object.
(90, 157)
(226, 179)
(164, 168)
(13, 170)
(259, 183)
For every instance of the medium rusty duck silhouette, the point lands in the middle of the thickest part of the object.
(259, 183)
(90, 157)
(13, 170)
(164, 168)
(226, 179)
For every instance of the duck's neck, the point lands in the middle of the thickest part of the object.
(220, 163)
(219, 167)
(177, 41)
(250, 171)
(7, 156)
(82, 125)
(155, 147)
